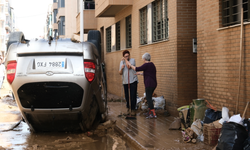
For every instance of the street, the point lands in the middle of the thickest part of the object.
(15, 134)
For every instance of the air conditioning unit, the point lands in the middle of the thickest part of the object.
(194, 45)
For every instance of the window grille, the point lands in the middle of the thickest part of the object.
(231, 11)
(55, 13)
(143, 25)
(61, 26)
(118, 36)
(160, 20)
(108, 39)
(61, 3)
(128, 32)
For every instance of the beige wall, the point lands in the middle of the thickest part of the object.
(70, 17)
(61, 12)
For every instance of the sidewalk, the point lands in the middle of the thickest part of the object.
(145, 133)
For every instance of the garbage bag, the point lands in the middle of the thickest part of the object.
(184, 115)
(247, 144)
(225, 115)
(159, 102)
(211, 116)
(196, 127)
(232, 137)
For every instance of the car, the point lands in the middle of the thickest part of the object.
(58, 85)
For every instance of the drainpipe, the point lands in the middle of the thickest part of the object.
(81, 21)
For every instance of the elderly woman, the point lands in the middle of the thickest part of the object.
(149, 74)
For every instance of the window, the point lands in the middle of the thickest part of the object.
(108, 39)
(61, 26)
(143, 25)
(61, 3)
(160, 20)
(231, 11)
(128, 32)
(55, 1)
(118, 36)
(55, 13)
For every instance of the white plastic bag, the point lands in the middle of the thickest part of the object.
(236, 119)
(225, 116)
(159, 102)
(196, 127)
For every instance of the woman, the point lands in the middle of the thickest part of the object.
(133, 81)
(149, 74)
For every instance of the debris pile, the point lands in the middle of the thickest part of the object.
(201, 122)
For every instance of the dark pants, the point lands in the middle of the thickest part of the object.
(149, 93)
(133, 94)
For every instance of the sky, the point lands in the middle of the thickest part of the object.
(31, 16)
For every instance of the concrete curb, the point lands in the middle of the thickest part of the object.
(129, 138)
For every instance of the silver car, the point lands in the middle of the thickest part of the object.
(58, 85)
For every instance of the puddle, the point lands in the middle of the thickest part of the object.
(21, 138)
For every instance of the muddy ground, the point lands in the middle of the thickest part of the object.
(15, 134)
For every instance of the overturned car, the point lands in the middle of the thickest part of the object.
(58, 85)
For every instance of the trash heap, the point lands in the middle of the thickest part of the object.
(158, 101)
(202, 122)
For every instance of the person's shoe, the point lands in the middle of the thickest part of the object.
(128, 111)
(151, 116)
(147, 113)
(133, 113)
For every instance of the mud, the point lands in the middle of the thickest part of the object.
(15, 134)
(102, 138)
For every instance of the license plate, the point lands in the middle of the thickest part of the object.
(55, 63)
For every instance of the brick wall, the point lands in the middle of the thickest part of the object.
(218, 59)
(173, 58)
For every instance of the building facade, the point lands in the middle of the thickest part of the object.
(7, 24)
(64, 13)
(219, 53)
(163, 28)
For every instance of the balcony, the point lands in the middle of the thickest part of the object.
(90, 22)
(54, 26)
(55, 6)
(109, 8)
(61, 12)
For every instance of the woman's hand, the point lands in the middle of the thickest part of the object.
(139, 73)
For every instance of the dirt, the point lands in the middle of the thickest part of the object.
(114, 98)
(15, 134)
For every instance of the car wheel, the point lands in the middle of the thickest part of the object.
(104, 94)
(92, 114)
(94, 36)
(14, 38)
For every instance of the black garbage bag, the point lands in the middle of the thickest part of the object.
(247, 144)
(232, 137)
(211, 116)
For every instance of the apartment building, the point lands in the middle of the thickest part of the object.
(163, 28)
(64, 18)
(219, 53)
(49, 22)
(7, 24)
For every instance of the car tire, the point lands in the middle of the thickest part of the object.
(104, 94)
(14, 38)
(92, 114)
(94, 36)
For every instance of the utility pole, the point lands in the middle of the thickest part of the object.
(81, 21)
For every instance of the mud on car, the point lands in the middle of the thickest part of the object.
(58, 85)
